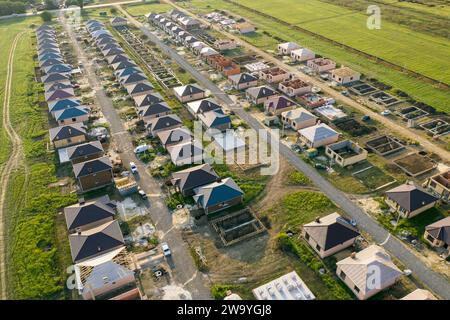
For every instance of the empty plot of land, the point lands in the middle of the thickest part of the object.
(437, 127)
(415, 164)
(385, 145)
(373, 178)
(354, 127)
(384, 99)
(410, 113)
(363, 89)
(238, 226)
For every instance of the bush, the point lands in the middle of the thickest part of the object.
(46, 16)
(219, 291)
(297, 177)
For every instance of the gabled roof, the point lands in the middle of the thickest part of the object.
(194, 177)
(203, 105)
(80, 215)
(71, 113)
(137, 88)
(440, 230)
(85, 149)
(148, 99)
(302, 52)
(127, 71)
(214, 118)
(331, 231)
(133, 78)
(217, 192)
(92, 166)
(58, 68)
(360, 267)
(59, 94)
(50, 62)
(280, 102)
(419, 294)
(185, 150)
(318, 132)
(106, 40)
(123, 65)
(117, 58)
(243, 78)
(49, 54)
(164, 122)
(113, 51)
(181, 134)
(187, 90)
(261, 92)
(298, 115)
(410, 197)
(63, 104)
(66, 132)
(154, 109)
(108, 45)
(58, 85)
(54, 77)
(95, 241)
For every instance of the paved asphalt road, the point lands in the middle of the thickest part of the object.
(183, 267)
(434, 280)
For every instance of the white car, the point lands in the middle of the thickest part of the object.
(133, 167)
(166, 250)
(141, 148)
(386, 112)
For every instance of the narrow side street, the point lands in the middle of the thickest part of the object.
(183, 266)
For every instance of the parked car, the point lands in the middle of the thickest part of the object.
(133, 167)
(166, 250)
(386, 112)
(142, 194)
(365, 118)
(141, 148)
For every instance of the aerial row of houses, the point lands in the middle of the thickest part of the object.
(341, 76)
(90, 167)
(103, 269)
(211, 193)
(170, 24)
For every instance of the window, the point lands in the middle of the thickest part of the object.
(342, 275)
(356, 289)
(74, 119)
(69, 140)
(433, 184)
(318, 248)
(430, 238)
(307, 236)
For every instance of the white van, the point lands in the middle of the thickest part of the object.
(141, 148)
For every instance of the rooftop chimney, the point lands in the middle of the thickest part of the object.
(317, 219)
(78, 231)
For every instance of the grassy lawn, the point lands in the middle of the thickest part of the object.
(142, 9)
(416, 225)
(34, 255)
(252, 184)
(300, 207)
(374, 178)
(416, 88)
(392, 42)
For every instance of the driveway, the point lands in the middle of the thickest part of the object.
(435, 281)
(184, 269)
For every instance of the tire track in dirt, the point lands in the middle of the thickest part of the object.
(11, 164)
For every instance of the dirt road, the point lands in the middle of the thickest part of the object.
(12, 163)
(391, 125)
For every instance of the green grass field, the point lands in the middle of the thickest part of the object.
(417, 89)
(36, 256)
(142, 9)
(392, 42)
